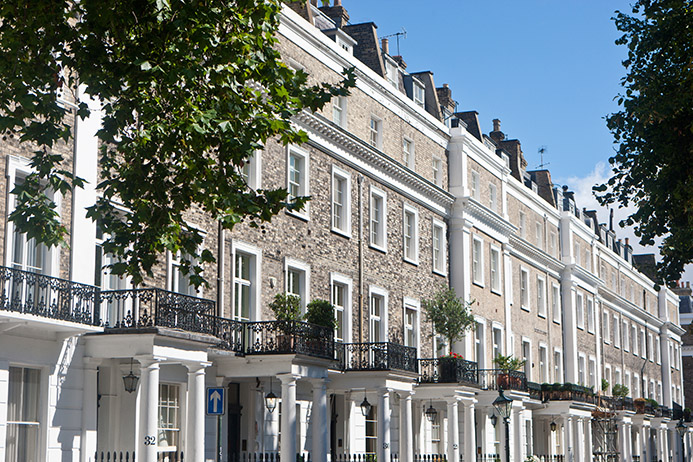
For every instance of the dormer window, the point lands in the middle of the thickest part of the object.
(391, 73)
(419, 94)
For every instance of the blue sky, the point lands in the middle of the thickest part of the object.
(548, 69)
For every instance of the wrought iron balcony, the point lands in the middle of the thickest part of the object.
(380, 356)
(281, 337)
(136, 308)
(567, 392)
(32, 293)
(493, 379)
(448, 370)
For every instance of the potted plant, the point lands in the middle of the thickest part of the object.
(620, 391)
(605, 385)
(507, 365)
(320, 313)
(287, 311)
(639, 404)
(451, 318)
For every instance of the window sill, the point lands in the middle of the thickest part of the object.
(346, 234)
(557, 321)
(497, 292)
(439, 273)
(300, 215)
(479, 284)
(525, 308)
(542, 316)
(410, 261)
(378, 248)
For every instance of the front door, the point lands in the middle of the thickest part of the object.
(234, 422)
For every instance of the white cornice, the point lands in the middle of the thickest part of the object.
(484, 216)
(522, 248)
(379, 165)
(635, 312)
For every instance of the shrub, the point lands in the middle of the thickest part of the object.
(321, 313)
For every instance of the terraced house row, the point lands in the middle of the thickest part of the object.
(408, 196)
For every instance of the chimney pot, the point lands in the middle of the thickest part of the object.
(337, 2)
(688, 284)
(386, 46)
(496, 125)
(445, 85)
(627, 239)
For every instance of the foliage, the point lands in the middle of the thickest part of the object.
(653, 403)
(450, 315)
(652, 168)
(188, 90)
(452, 355)
(620, 391)
(605, 385)
(286, 307)
(321, 313)
(508, 363)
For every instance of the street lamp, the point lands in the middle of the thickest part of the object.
(431, 413)
(270, 399)
(365, 406)
(504, 407)
(130, 380)
(682, 428)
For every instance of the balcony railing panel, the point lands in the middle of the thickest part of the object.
(493, 379)
(378, 356)
(448, 370)
(279, 337)
(568, 392)
(32, 293)
(135, 308)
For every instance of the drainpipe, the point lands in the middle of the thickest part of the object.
(220, 270)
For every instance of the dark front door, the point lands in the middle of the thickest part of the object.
(234, 422)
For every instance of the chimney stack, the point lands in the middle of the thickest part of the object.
(386, 46)
(496, 125)
(611, 220)
(627, 239)
(337, 2)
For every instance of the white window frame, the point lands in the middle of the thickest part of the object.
(413, 257)
(437, 166)
(493, 197)
(591, 322)
(524, 289)
(606, 329)
(42, 392)
(418, 93)
(345, 215)
(174, 275)
(255, 313)
(297, 265)
(375, 132)
(180, 437)
(539, 233)
(528, 360)
(500, 347)
(339, 111)
(580, 310)
(19, 167)
(477, 260)
(556, 302)
(382, 231)
(581, 366)
(495, 274)
(383, 294)
(439, 263)
(523, 225)
(552, 243)
(592, 372)
(409, 156)
(541, 296)
(304, 184)
(347, 283)
(558, 365)
(543, 362)
(616, 324)
(643, 344)
(634, 339)
(626, 337)
(415, 305)
(253, 175)
(476, 185)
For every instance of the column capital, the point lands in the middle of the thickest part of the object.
(148, 360)
(405, 394)
(197, 366)
(452, 399)
(288, 378)
(318, 381)
(91, 363)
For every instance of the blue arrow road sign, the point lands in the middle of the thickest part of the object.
(215, 401)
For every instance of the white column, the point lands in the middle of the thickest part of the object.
(644, 433)
(348, 416)
(665, 443)
(588, 439)
(453, 430)
(319, 421)
(406, 431)
(507, 298)
(568, 423)
(469, 431)
(579, 440)
(89, 405)
(195, 446)
(516, 443)
(4, 393)
(629, 441)
(149, 408)
(383, 427)
(288, 443)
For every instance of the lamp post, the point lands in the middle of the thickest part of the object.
(504, 406)
(682, 428)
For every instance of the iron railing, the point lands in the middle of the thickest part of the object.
(636, 458)
(114, 456)
(134, 308)
(32, 293)
(277, 337)
(379, 356)
(448, 370)
(488, 458)
(550, 458)
(567, 392)
(493, 379)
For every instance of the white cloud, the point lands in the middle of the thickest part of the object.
(584, 198)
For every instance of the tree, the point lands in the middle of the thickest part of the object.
(190, 89)
(449, 314)
(653, 164)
